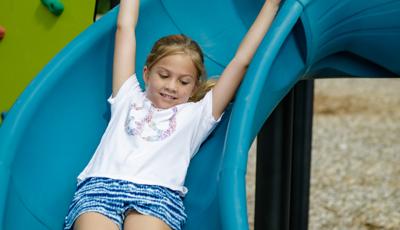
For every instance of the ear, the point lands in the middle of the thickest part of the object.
(146, 74)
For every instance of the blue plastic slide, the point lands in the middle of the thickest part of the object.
(53, 129)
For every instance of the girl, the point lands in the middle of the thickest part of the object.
(135, 180)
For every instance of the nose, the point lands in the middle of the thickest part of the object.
(171, 85)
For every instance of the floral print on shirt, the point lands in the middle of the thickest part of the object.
(136, 127)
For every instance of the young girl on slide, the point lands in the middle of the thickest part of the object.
(135, 179)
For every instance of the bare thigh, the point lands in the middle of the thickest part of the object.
(137, 221)
(94, 221)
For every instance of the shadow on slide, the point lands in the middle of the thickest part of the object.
(54, 127)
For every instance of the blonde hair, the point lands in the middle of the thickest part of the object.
(181, 44)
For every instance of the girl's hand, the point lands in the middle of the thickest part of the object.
(232, 75)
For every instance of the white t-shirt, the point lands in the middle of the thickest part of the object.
(146, 145)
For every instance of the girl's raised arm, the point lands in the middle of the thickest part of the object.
(232, 75)
(125, 43)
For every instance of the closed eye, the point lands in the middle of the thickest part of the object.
(163, 76)
(184, 82)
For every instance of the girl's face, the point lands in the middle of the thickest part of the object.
(171, 81)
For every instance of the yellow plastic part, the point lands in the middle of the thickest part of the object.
(34, 36)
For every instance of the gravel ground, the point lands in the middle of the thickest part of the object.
(355, 175)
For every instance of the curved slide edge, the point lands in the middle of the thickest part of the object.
(295, 53)
(62, 106)
(33, 106)
(249, 112)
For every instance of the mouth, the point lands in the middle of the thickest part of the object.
(168, 97)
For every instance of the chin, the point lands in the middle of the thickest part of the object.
(161, 104)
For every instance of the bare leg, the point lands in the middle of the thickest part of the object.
(94, 221)
(137, 221)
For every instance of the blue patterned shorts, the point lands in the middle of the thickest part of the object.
(113, 198)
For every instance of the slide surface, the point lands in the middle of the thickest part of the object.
(54, 127)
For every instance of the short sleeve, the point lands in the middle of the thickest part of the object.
(206, 122)
(130, 85)
(129, 90)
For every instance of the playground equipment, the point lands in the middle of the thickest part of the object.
(34, 36)
(2, 32)
(55, 6)
(52, 130)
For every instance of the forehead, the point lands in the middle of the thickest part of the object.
(179, 64)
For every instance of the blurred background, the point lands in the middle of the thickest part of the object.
(355, 172)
